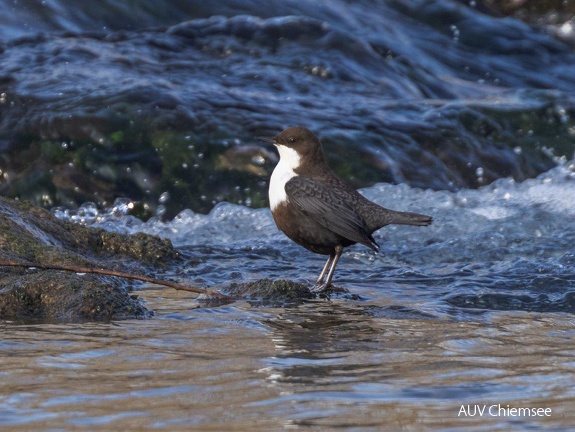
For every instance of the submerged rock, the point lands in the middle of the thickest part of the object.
(31, 235)
(269, 291)
(282, 292)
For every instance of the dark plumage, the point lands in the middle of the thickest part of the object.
(318, 210)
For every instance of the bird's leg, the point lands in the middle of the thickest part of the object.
(338, 251)
(334, 258)
(322, 274)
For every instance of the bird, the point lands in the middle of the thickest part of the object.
(317, 209)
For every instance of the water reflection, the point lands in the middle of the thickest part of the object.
(338, 364)
(413, 372)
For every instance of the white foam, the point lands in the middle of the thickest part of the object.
(518, 218)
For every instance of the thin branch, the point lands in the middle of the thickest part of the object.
(101, 271)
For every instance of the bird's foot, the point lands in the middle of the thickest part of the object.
(321, 288)
(326, 289)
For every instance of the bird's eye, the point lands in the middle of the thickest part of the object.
(291, 139)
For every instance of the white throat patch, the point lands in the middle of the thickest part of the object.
(283, 172)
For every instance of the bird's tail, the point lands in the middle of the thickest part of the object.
(407, 218)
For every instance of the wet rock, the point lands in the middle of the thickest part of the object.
(282, 292)
(31, 235)
(267, 291)
(48, 295)
(554, 16)
(534, 11)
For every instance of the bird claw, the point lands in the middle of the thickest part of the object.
(324, 290)
(320, 288)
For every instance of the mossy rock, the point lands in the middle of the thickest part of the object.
(31, 235)
(268, 291)
(48, 295)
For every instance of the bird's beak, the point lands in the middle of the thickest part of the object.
(268, 140)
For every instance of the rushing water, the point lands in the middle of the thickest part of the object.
(474, 311)
(426, 93)
(431, 106)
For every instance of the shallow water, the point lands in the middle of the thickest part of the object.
(469, 314)
(339, 364)
(471, 116)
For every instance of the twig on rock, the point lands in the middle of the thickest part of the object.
(106, 272)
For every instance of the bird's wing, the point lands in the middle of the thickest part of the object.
(328, 207)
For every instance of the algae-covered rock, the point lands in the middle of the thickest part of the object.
(268, 291)
(31, 235)
(62, 296)
(282, 292)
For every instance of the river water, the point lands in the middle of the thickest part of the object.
(322, 366)
(433, 107)
(475, 311)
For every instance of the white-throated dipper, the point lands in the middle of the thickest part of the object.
(317, 209)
